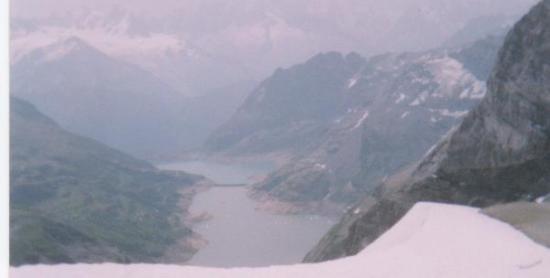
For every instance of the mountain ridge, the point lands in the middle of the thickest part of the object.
(402, 102)
(498, 154)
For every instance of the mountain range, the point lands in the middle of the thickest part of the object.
(181, 76)
(369, 137)
(345, 122)
(196, 46)
(91, 93)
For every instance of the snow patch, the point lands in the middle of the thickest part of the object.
(421, 80)
(542, 199)
(447, 71)
(321, 166)
(476, 91)
(452, 114)
(401, 98)
(430, 241)
(420, 99)
(353, 81)
(360, 122)
(454, 80)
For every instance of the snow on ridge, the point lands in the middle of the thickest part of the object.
(116, 44)
(430, 241)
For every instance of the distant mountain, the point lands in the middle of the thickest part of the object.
(192, 63)
(117, 103)
(478, 28)
(290, 110)
(199, 45)
(479, 56)
(348, 122)
(73, 199)
(500, 152)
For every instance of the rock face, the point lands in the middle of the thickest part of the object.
(73, 199)
(500, 153)
(382, 115)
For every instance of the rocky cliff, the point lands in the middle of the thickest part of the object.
(500, 152)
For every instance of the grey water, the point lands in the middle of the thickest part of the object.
(238, 234)
(223, 173)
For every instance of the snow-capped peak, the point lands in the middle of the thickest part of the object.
(63, 48)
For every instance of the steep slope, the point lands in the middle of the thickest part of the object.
(82, 89)
(396, 107)
(500, 153)
(308, 98)
(289, 110)
(431, 241)
(73, 199)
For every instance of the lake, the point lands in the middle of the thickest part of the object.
(223, 173)
(239, 235)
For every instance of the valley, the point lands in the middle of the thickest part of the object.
(149, 146)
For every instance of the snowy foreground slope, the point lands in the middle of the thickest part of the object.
(432, 240)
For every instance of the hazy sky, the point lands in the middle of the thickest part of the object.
(260, 35)
(363, 20)
(42, 7)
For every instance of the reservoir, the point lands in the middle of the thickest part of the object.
(238, 234)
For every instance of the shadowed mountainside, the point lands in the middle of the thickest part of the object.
(73, 199)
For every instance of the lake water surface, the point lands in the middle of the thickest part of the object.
(238, 234)
(223, 173)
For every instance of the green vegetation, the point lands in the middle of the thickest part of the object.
(76, 200)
